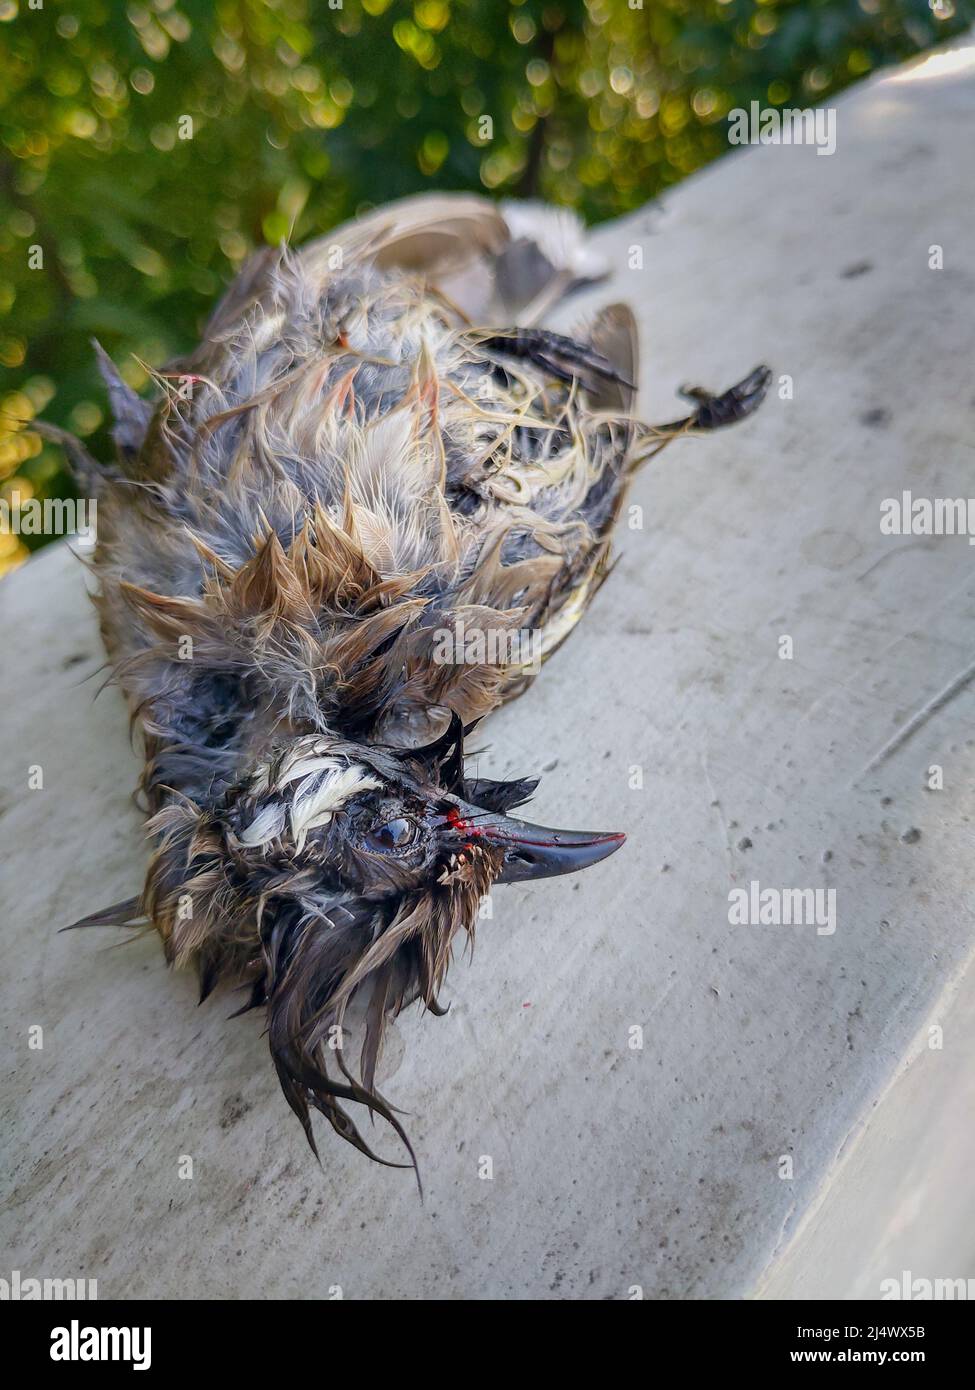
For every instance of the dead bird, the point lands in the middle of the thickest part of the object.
(374, 445)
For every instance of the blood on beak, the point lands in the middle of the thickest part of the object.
(533, 851)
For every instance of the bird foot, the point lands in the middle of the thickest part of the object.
(737, 403)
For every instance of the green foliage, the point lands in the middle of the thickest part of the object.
(149, 146)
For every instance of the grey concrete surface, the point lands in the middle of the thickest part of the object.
(900, 1205)
(614, 1167)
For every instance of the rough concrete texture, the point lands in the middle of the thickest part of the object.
(613, 1166)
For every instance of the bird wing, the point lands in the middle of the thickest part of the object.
(436, 234)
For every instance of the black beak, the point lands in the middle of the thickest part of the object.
(532, 851)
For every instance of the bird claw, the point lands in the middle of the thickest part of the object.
(737, 403)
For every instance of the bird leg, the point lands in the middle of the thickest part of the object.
(561, 357)
(714, 412)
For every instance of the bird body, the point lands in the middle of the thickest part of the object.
(360, 516)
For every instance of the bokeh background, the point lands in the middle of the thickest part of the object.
(302, 112)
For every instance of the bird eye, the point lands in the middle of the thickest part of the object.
(394, 835)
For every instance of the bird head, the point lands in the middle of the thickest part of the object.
(354, 865)
(383, 824)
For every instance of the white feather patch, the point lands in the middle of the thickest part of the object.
(559, 234)
(317, 800)
(305, 768)
(267, 824)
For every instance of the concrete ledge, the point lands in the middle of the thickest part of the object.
(614, 1167)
